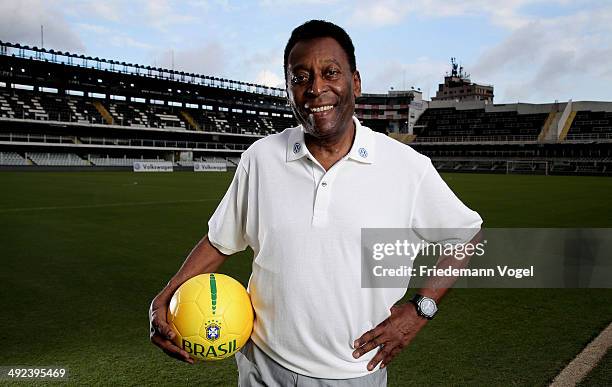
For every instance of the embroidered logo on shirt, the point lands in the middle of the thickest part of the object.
(297, 147)
(363, 152)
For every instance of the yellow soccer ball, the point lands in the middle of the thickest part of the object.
(211, 315)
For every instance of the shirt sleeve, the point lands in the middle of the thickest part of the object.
(226, 227)
(439, 215)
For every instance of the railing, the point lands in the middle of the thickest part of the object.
(103, 141)
(59, 117)
(589, 136)
(511, 138)
(502, 138)
(70, 118)
(44, 138)
(522, 158)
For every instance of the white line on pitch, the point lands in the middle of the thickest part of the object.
(85, 206)
(586, 360)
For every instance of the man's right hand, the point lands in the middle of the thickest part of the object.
(204, 258)
(160, 332)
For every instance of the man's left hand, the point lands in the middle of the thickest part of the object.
(392, 335)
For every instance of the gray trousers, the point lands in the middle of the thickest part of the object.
(256, 369)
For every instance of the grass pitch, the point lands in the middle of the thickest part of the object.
(83, 254)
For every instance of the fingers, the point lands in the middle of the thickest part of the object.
(368, 341)
(160, 327)
(171, 349)
(393, 334)
(162, 334)
(367, 347)
(390, 357)
(385, 336)
(384, 352)
(384, 356)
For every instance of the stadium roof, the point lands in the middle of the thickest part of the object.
(42, 54)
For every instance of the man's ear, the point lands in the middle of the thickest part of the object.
(356, 84)
(288, 95)
(287, 86)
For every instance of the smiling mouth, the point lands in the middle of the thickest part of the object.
(321, 109)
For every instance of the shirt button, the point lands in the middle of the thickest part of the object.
(324, 184)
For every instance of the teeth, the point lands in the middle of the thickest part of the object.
(321, 108)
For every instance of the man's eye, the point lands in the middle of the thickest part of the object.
(299, 78)
(332, 73)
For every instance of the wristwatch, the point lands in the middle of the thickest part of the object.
(425, 306)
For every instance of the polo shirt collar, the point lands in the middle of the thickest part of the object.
(361, 151)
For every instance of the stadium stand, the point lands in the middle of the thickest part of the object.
(67, 110)
(56, 159)
(12, 158)
(79, 110)
(491, 122)
(558, 138)
(58, 109)
(44, 106)
(119, 161)
(595, 122)
(229, 162)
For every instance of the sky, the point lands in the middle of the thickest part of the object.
(535, 51)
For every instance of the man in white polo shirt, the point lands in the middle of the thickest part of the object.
(300, 199)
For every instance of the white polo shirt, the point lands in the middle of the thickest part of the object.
(304, 226)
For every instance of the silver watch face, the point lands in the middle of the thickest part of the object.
(428, 306)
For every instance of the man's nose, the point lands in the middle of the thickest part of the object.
(317, 86)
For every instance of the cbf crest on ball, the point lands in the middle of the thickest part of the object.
(211, 315)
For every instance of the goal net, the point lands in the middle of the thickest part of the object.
(532, 167)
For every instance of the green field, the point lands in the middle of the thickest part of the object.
(83, 254)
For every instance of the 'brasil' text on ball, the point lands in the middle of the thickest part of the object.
(209, 352)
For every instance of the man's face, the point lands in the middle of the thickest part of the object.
(321, 87)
